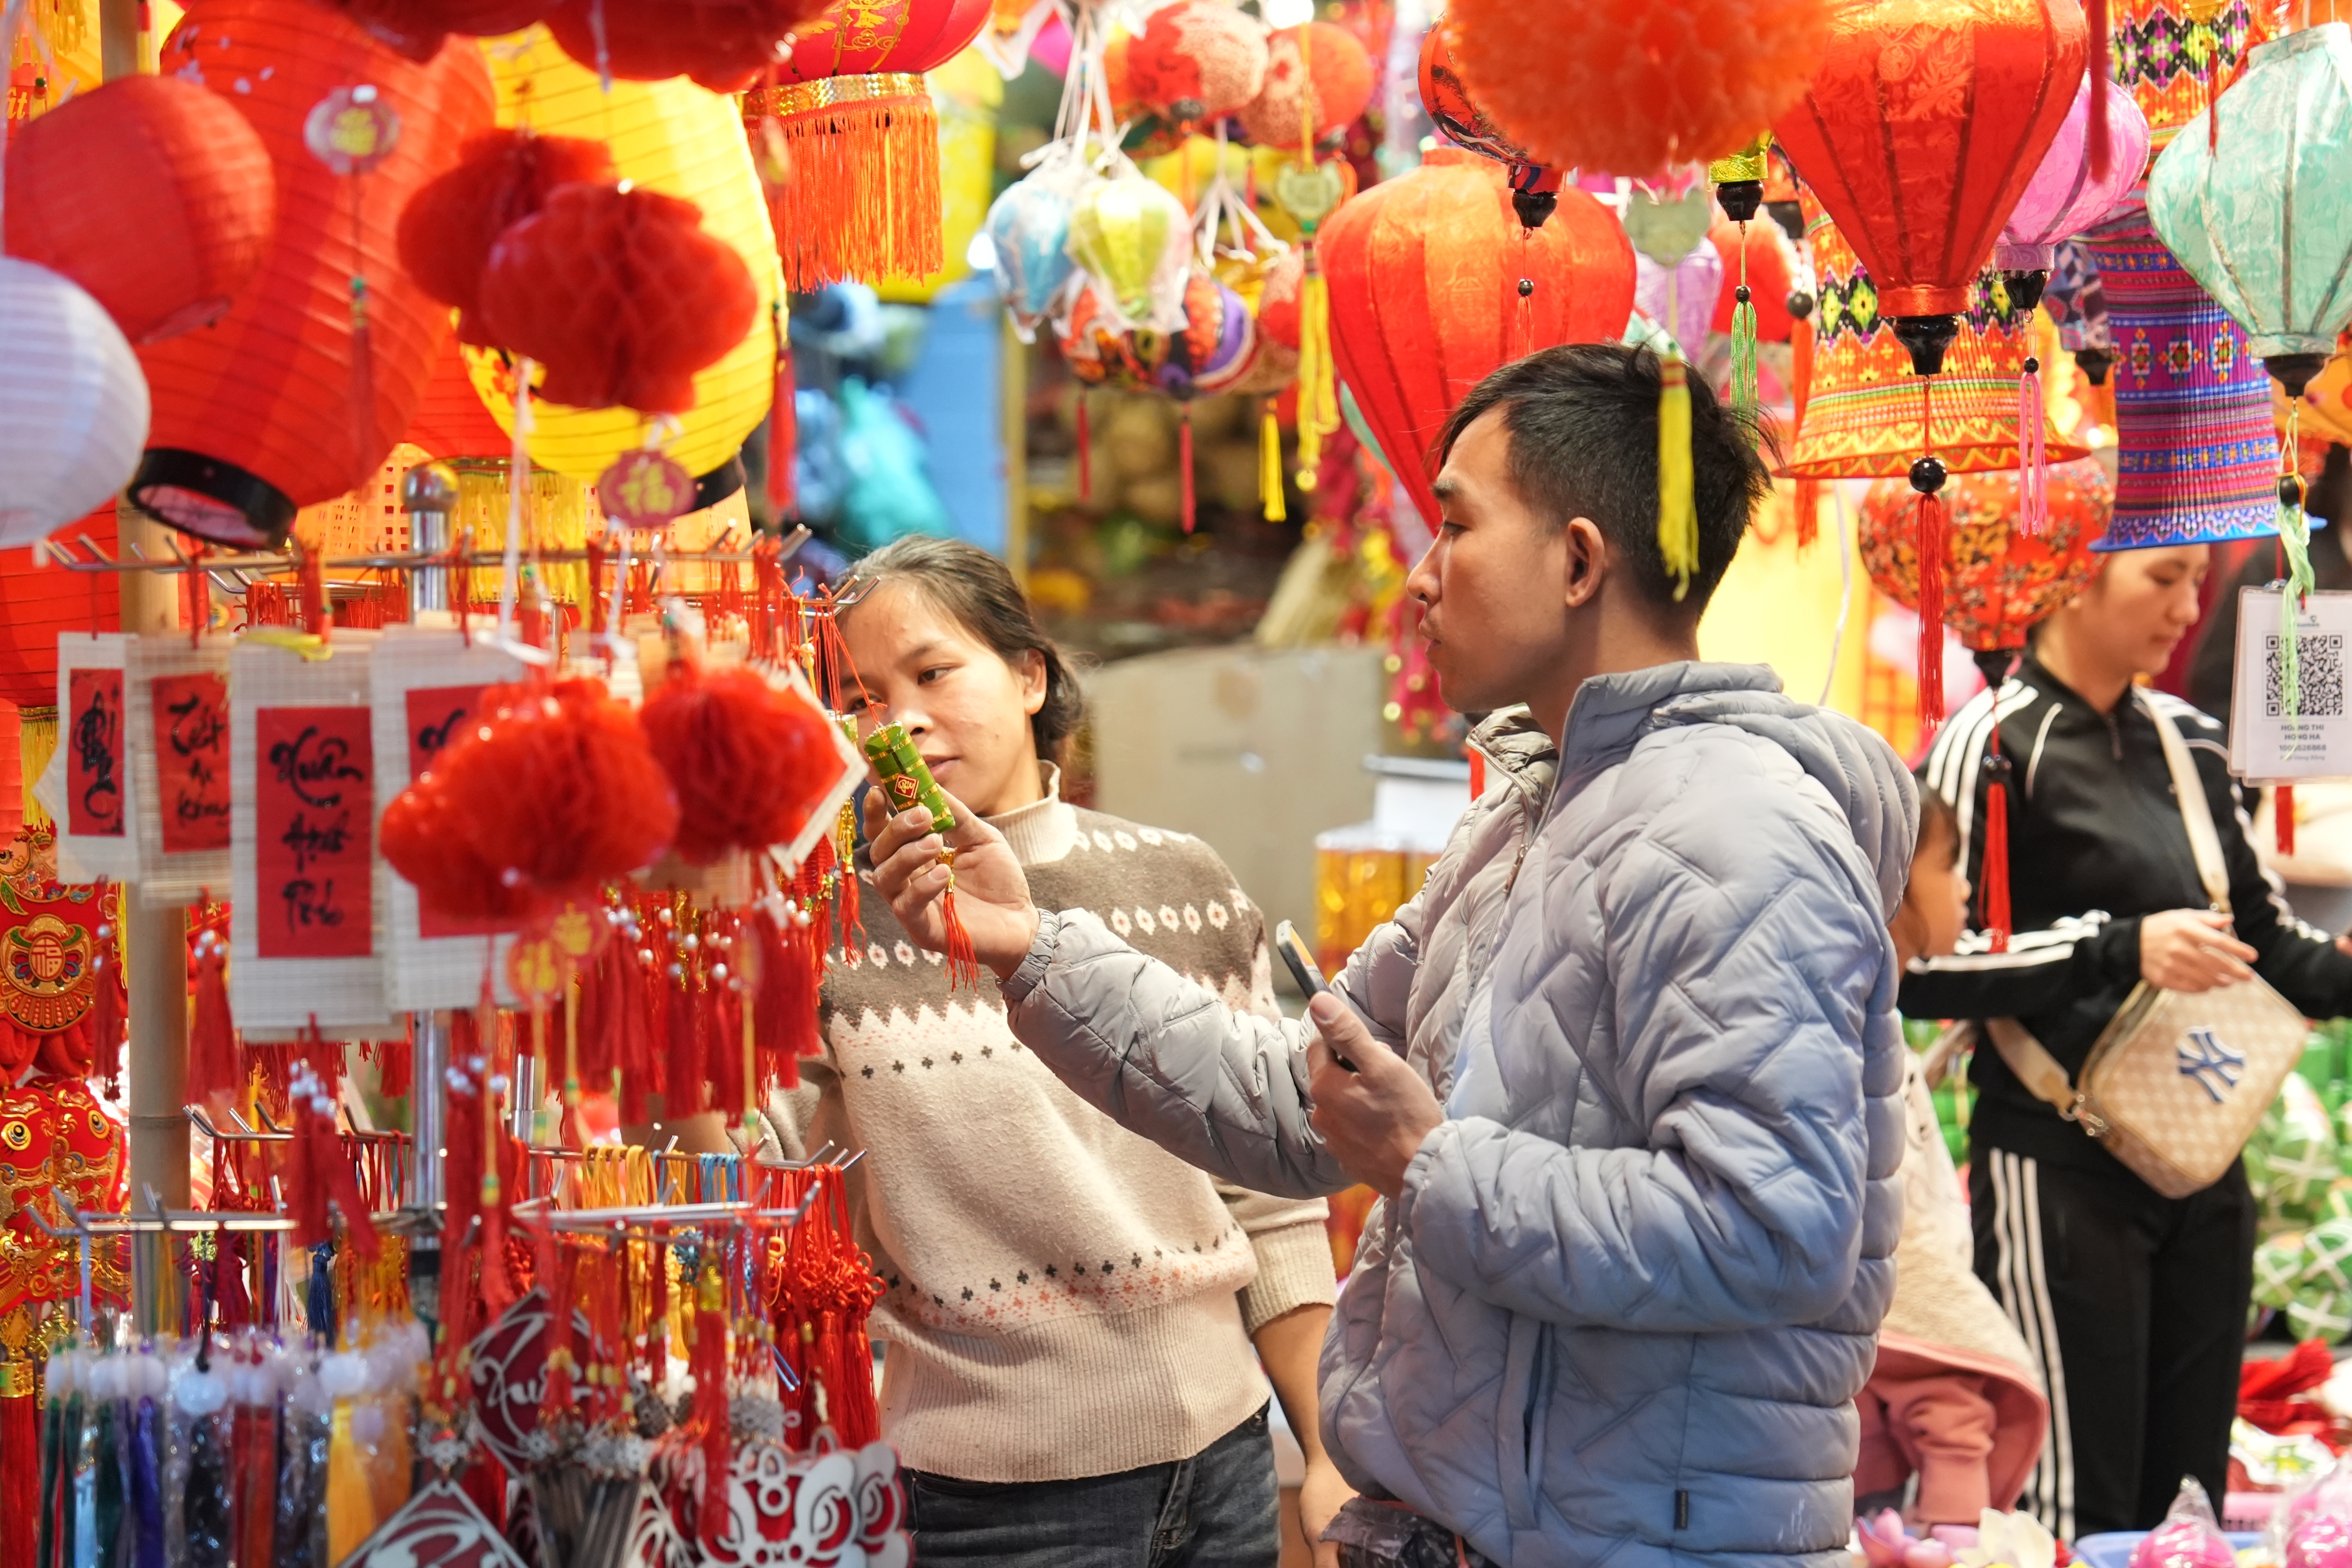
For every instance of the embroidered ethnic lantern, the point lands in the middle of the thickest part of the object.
(2197, 452)
(189, 200)
(852, 107)
(73, 403)
(1450, 107)
(1919, 132)
(1318, 77)
(2174, 56)
(1631, 86)
(679, 140)
(2000, 581)
(1196, 60)
(286, 400)
(1435, 283)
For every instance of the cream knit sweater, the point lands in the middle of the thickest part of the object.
(1064, 1298)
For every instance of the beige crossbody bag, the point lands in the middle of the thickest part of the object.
(2176, 1083)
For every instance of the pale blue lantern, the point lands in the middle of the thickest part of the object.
(1030, 226)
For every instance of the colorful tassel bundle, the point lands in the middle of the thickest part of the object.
(2032, 454)
(863, 199)
(1677, 507)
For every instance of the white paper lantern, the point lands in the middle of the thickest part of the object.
(73, 403)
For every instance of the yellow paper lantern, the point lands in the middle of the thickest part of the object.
(680, 139)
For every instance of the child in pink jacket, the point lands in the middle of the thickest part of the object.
(1953, 1399)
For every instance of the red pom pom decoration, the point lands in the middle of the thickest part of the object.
(749, 761)
(1333, 84)
(620, 294)
(724, 45)
(504, 176)
(1631, 86)
(1195, 60)
(423, 840)
(152, 194)
(416, 28)
(556, 793)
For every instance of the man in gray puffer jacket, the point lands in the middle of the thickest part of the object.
(1627, 1069)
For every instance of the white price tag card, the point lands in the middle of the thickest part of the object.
(2264, 744)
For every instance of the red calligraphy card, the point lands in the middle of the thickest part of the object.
(192, 761)
(313, 813)
(94, 741)
(438, 717)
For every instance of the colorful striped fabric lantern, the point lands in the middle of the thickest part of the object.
(2198, 460)
(2175, 55)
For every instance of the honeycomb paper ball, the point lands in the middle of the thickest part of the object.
(1333, 83)
(1633, 85)
(1195, 60)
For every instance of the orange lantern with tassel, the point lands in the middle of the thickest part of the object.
(1435, 283)
(298, 393)
(863, 199)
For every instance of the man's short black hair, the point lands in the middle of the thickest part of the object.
(1583, 424)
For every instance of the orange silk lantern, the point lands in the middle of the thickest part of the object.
(153, 195)
(1435, 283)
(856, 118)
(265, 414)
(1326, 84)
(1922, 127)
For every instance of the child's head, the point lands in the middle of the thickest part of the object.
(1935, 909)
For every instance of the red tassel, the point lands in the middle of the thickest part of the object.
(783, 429)
(1996, 864)
(1184, 464)
(215, 1075)
(20, 1472)
(963, 964)
(2283, 817)
(2033, 457)
(710, 1367)
(1809, 513)
(2101, 142)
(1085, 454)
(1931, 613)
(254, 1478)
(110, 1012)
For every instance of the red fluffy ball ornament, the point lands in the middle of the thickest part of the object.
(1317, 76)
(1631, 86)
(554, 796)
(1196, 60)
(153, 195)
(748, 760)
(448, 227)
(620, 294)
(724, 45)
(417, 28)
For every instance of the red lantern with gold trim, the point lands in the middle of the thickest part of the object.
(153, 195)
(1434, 282)
(863, 200)
(267, 412)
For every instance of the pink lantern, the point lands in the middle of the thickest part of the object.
(2064, 197)
(1681, 297)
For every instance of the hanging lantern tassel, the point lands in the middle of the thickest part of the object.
(708, 1363)
(1269, 465)
(784, 428)
(1995, 872)
(863, 199)
(1801, 388)
(2033, 459)
(1743, 339)
(1928, 480)
(2283, 817)
(2100, 143)
(963, 964)
(1184, 465)
(1677, 508)
(213, 1077)
(1319, 396)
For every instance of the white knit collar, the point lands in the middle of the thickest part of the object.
(1042, 831)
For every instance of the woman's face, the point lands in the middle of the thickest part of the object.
(966, 709)
(2140, 606)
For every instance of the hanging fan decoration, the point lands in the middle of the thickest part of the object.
(853, 113)
(255, 417)
(1633, 87)
(189, 201)
(1318, 81)
(449, 228)
(73, 404)
(1535, 189)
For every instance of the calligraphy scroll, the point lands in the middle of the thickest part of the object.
(177, 711)
(87, 789)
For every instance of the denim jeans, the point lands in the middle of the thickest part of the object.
(1220, 1509)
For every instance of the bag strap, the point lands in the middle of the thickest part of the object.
(2035, 1067)
(2195, 813)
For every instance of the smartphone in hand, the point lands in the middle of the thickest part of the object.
(1301, 963)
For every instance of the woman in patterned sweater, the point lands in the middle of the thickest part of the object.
(1071, 1313)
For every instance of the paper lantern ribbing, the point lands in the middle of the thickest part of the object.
(2262, 224)
(188, 201)
(864, 200)
(450, 421)
(2197, 453)
(681, 141)
(1631, 86)
(2000, 581)
(2065, 197)
(1327, 86)
(723, 45)
(260, 415)
(620, 295)
(1863, 418)
(1425, 276)
(73, 406)
(504, 176)
(2172, 55)
(1196, 60)
(1135, 239)
(1919, 132)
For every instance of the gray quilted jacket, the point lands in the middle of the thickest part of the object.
(1621, 1308)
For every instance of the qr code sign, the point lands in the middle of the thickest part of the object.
(2320, 676)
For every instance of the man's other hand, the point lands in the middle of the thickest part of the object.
(1374, 1119)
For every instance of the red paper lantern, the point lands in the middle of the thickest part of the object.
(864, 197)
(724, 45)
(1329, 85)
(1195, 60)
(263, 413)
(1921, 128)
(153, 195)
(2000, 581)
(1631, 86)
(620, 294)
(448, 227)
(416, 28)
(1425, 273)
(450, 419)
